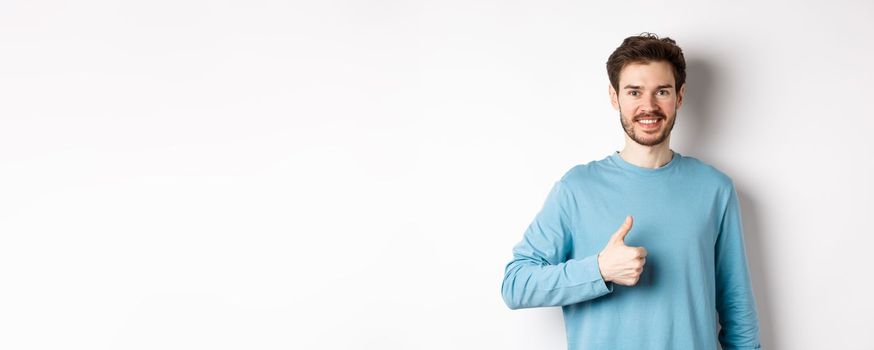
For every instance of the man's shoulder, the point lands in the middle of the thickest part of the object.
(700, 170)
(580, 173)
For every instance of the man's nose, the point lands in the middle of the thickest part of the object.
(648, 104)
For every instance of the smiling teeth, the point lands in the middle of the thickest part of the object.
(648, 121)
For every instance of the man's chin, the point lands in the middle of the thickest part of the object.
(650, 141)
(647, 144)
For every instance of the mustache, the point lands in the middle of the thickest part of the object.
(650, 114)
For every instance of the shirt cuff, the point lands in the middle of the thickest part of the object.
(586, 271)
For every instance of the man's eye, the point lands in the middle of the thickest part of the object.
(632, 93)
(663, 92)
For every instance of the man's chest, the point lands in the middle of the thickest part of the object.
(675, 220)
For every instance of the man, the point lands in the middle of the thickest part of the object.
(676, 265)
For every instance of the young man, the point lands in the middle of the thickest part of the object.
(676, 267)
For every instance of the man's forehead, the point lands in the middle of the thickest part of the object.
(643, 86)
(658, 74)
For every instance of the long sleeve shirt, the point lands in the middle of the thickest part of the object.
(686, 215)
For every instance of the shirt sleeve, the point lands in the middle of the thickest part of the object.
(540, 274)
(735, 301)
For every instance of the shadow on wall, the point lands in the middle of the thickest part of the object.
(696, 115)
(759, 272)
(699, 136)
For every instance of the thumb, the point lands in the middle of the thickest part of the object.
(619, 236)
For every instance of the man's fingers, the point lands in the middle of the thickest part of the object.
(628, 282)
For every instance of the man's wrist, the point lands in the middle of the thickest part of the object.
(604, 277)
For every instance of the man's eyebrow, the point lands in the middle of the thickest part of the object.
(637, 87)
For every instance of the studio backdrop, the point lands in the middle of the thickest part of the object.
(354, 174)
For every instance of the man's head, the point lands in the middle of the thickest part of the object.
(647, 84)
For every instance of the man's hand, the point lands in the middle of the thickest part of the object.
(620, 263)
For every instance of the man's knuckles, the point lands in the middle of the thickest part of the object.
(628, 281)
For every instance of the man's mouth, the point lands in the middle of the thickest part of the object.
(649, 123)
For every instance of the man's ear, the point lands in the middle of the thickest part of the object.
(680, 94)
(614, 98)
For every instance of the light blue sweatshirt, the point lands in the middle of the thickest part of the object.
(687, 217)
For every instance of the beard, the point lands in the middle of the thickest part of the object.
(628, 126)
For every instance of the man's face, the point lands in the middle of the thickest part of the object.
(647, 101)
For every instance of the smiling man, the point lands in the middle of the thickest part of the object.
(644, 248)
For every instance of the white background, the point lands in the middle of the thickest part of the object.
(353, 175)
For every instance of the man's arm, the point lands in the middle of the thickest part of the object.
(540, 273)
(735, 301)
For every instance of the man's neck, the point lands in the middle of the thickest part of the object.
(647, 156)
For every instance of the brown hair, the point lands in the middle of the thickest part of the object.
(645, 48)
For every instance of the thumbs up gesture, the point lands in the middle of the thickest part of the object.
(620, 263)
